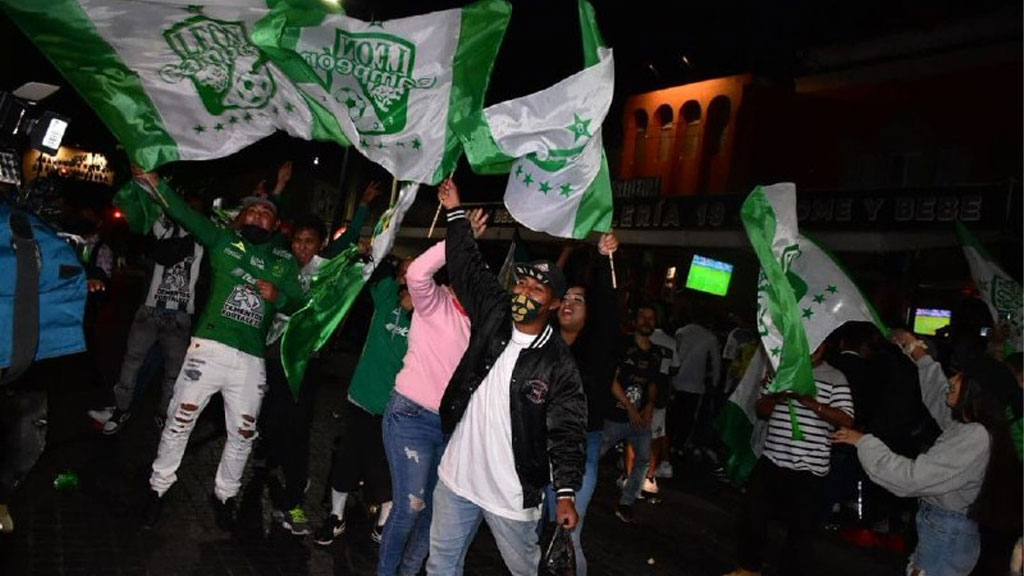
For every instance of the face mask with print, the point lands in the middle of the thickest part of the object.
(525, 309)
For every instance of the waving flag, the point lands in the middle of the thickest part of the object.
(333, 290)
(390, 88)
(803, 293)
(999, 291)
(550, 141)
(737, 424)
(171, 80)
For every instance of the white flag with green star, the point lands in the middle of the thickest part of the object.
(550, 142)
(390, 88)
(171, 80)
(803, 293)
(998, 289)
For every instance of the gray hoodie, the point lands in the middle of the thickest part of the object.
(949, 475)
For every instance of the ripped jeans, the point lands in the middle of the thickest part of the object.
(212, 367)
(414, 443)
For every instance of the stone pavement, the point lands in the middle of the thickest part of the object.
(94, 529)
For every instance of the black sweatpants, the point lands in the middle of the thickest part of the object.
(359, 455)
(285, 422)
(790, 494)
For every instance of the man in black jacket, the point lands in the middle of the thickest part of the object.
(515, 408)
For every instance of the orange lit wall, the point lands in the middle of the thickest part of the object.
(684, 135)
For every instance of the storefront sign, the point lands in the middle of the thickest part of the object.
(68, 163)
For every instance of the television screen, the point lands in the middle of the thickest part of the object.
(928, 320)
(707, 275)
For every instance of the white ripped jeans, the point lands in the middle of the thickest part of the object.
(241, 378)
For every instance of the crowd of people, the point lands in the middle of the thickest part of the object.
(473, 400)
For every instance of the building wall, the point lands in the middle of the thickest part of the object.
(685, 136)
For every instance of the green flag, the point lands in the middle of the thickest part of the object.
(997, 289)
(551, 143)
(139, 209)
(172, 81)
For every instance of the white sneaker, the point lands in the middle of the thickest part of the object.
(102, 415)
(650, 486)
(664, 470)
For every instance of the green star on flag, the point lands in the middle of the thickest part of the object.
(819, 298)
(199, 128)
(545, 187)
(579, 128)
(528, 179)
(218, 127)
(808, 313)
(831, 289)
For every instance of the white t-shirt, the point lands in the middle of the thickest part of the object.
(660, 338)
(174, 287)
(478, 464)
(699, 359)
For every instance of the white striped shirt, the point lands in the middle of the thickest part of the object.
(813, 452)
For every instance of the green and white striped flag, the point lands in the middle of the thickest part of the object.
(803, 293)
(999, 291)
(390, 88)
(550, 141)
(172, 80)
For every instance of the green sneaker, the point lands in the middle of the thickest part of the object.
(295, 521)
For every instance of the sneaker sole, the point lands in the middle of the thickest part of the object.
(331, 541)
(623, 518)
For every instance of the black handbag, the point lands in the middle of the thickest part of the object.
(560, 556)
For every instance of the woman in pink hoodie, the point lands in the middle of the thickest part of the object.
(413, 440)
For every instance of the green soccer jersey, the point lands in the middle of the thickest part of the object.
(386, 344)
(235, 313)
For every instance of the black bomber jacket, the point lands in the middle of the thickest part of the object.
(547, 404)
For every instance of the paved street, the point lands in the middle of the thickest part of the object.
(94, 529)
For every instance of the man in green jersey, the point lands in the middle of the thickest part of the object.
(252, 279)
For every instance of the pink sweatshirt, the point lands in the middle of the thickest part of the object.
(438, 336)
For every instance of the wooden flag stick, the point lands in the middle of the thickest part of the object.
(611, 262)
(394, 191)
(437, 213)
(430, 233)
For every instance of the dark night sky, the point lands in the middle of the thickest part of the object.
(650, 38)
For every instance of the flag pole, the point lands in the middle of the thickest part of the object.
(437, 213)
(611, 262)
(394, 191)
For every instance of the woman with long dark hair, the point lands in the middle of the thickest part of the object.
(966, 480)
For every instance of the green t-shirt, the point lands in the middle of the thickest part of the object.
(386, 343)
(235, 313)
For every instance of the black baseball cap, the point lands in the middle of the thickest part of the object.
(546, 272)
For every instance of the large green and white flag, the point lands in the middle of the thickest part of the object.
(172, 80)
(334, 289)
(803, 293)
(550, 141)
(999, 291)
(390, 88)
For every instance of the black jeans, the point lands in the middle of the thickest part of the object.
(359, 455)
(285, 422)
(22, 434)
(793, 495)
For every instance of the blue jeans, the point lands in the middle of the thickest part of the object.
(640, 438)
(948, 543)
(413, 443)
(583, 496)
(456, 521)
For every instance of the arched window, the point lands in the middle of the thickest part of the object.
(690, 113)
(719, 112)
(663, 115)
(640, 138)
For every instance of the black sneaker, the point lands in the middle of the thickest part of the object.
(152, 509)
(117, 419)
(624, 513)
(329, 530)
(225, 513)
